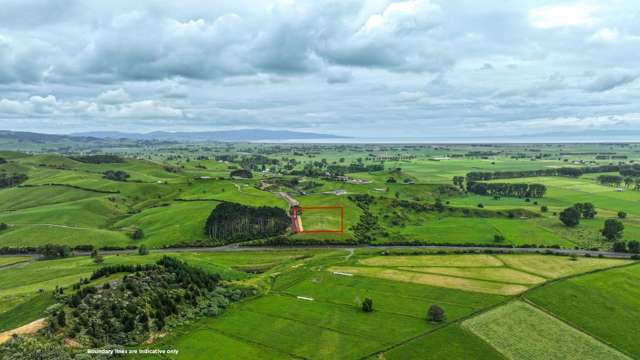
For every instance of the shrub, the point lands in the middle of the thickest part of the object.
(570, 216)
(634, 246)
(3, 226)
(622, 214)
(498, 238)
(142, 250)
(367, 305)
(612, 229)
(137, 234)
(435, 314)
(544, 208)
(619, 246)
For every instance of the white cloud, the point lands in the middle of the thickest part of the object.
(144, 109)
(369, 63)
(604, 36)
(116, 96)
(554, 16)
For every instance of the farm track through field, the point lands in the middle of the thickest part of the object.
(16, 265)
(56, 225)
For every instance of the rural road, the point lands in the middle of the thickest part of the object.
(236, 247)
(290, 200)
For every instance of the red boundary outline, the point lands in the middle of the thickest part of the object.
(341, 230)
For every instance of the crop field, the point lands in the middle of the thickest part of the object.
(610, 313)
(520, 331)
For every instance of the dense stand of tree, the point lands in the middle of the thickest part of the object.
(323, 168)
(257, 162)
(458, 181)
(610, 180)
(116, 175)
(366, 228)
(507, 189)
(241, 173)
(12, 180)
(562, 171)
(232, 222)
(571, 215)
(99, 159)
(612, 229)
(127, 311)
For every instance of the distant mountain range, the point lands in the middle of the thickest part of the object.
(226, 135)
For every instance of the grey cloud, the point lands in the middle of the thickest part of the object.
(353, 67)
(611, 81)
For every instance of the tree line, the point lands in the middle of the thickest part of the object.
(116, 175)
(562, 171)
(98, 159)
(507, 189)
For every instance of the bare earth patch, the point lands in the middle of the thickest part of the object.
(30, 328)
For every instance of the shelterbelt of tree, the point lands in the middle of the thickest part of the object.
(232, 222)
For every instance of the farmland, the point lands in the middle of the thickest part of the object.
(311, 300)
(520, 331)
(607, 315)
(75, 214)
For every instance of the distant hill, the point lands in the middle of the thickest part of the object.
(37, 137)
(227, 135)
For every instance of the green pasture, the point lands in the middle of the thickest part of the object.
(179, 222)
(520, 331)
(29, 197)
(603, 304)
(452, 342)
(94, 212)
(40, 234)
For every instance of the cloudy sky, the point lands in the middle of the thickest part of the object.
(359, 68)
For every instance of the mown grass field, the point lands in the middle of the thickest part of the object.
(453, 342)
(604, 304)
(494, 274)
(520, 331)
